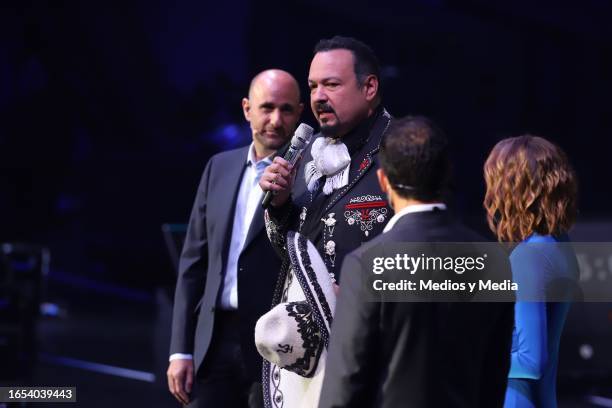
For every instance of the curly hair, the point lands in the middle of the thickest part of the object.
(531, 188)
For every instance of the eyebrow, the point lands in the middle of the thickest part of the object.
(270, 105)
(332, 78)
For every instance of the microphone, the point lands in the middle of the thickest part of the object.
(299, 141)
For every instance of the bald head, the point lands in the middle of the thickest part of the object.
(272, 108)
(270, 77)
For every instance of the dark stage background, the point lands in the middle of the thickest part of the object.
(110, 110)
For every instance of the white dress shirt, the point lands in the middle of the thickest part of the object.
(249, 197)
(412, 209)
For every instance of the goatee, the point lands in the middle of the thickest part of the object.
(330, 131)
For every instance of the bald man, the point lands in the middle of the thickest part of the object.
(228, 269)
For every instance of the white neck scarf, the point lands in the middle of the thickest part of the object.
(330, 158)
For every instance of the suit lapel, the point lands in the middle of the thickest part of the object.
(256, 226)
(232, 176)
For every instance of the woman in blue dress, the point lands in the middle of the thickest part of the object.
(531, 201)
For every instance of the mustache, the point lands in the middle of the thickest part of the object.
(323, 107)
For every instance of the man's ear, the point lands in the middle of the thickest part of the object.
(246, 109)
(383, 181)
(371, 87)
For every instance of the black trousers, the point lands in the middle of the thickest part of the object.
(222, 379)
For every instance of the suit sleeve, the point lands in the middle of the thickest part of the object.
(278, 222)
(350, 362)
(192, 272)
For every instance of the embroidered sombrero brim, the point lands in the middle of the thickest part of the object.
(292, 335)
(308, 294)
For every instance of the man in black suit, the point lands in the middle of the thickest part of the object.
(228, 269)
(415, 354)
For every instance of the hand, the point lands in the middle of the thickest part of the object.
(279, 178)
(336, 288)
(180, 379)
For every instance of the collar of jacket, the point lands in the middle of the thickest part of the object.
(359, 136)
(363, 159)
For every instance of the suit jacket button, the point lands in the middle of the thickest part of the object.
(212, 309)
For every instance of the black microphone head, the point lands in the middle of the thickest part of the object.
(302, 136)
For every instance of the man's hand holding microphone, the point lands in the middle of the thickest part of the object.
(278, 178)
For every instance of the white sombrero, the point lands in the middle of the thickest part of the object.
(293, 336)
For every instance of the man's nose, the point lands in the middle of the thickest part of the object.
(319, 95)
(275, 118)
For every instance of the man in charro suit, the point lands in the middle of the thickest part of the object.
(227, 269)
(332, 198)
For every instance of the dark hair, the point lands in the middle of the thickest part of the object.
(366, 62)
(414, 156)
